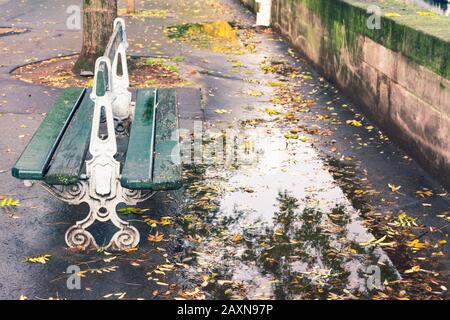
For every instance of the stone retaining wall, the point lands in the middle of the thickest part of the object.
(399, 74)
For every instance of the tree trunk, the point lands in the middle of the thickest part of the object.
(98, 20)
(131, 7)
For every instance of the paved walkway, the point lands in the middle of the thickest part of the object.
(227, 219)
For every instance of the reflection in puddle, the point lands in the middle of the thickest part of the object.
(278, 228)
(218, 36)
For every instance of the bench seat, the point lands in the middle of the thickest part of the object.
(57, 152)
(153, 160)
(69, 159)
(35, 159)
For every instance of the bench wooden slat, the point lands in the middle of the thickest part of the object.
(34, 161)
(67, 164)
(167, 157)
(137, 171)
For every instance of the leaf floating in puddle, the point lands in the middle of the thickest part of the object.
(405, 221)
(416, 244)
(119, 295)
(132, 210)
(424, 193)
(158, 237)
(164, 221)
(162, 284)
(394, 188)
(380, 242)
(354, 123)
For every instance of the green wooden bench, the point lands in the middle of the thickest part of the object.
(57, 152)
(73, 154)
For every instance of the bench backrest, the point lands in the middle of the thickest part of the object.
(116, 51)
(110, 92)
(102, 96)
(118, 37)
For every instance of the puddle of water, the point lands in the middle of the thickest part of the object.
(218, 36)
(278, 227)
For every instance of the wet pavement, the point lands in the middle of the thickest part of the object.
(289, 209)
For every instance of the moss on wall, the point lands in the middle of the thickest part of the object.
(423, 39)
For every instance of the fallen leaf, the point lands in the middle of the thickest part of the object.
(42, 259)
(394, 188)
(158, 237)
(354, 123)
(253, 93)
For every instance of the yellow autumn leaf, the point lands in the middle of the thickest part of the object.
(9, 202)
(151, 222)
(291, 136)
(253, 93)
(413, 269)
(42, 259)
(276, 84)
(303, 139)
(367, 243)
(222, 111)
(272, 112)
(237, 238)
(380, 242)
(166, 221)
(416, 244)
(437, 254)
(354, 123)
(406, 221)
(425, 13)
